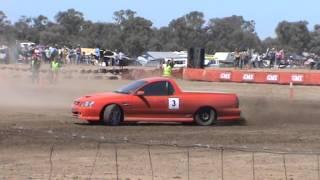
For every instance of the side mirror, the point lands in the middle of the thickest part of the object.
(140, 93)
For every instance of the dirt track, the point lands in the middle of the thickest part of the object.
(33, 118)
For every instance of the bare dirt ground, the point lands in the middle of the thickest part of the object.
(40, 140)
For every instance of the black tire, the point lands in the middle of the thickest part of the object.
(112, 115)
(94, 122)
(205, 116)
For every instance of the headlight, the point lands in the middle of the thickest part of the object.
(76, 102)
(88, 103)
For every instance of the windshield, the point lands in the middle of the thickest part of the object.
(131, 87)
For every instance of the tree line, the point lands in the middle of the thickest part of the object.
(134, 35)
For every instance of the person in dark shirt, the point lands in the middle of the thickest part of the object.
(272, 55)
(35, 67)
(78, 54)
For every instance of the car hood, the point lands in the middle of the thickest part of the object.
(100, 95)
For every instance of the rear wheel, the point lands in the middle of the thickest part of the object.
(205, 116)
(112, 115)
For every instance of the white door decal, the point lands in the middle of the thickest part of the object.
(173, 103)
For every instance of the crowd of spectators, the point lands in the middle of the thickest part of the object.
(109, 58)
(56, 57)
(243, 58)
(274, 59)
(65, 55)
(68, 55)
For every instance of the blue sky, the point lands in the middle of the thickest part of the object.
(267, 14)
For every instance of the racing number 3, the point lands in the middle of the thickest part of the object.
(173, 103)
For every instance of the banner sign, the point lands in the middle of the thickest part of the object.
(226, 76)
(248, 77)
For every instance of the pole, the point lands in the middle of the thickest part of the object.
(291, 93)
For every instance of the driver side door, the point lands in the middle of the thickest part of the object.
(157, 101)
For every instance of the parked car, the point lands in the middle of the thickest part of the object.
(4, 54)
(154, 63)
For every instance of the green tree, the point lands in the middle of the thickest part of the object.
(270, 43)
(103, 35)
(226, 34)
(6, 30)
(24, 28)
(188, 30)
(54, 35)
(4, 19)
(163, 40)
(123, 15)
(40, 23)
(71, 20)
(293, 36)
(135, 32)
(314, 44)
(134, 35)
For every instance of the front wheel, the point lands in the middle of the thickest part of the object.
(94, 122)
(112, 115)
(205, 117)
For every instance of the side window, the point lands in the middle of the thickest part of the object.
(162, 88)
(170, 88)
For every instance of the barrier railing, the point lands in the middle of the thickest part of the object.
(252, 76)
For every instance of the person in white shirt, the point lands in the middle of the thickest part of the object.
(120, 57)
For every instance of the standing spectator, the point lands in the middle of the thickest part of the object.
(278, 57)
(247, 58)
(30, 52)
(317, 65)
(272, 55)
(84, 58)
(121, 59)
(7, 60)
(24, 53)
(60, 55)
(106, 57)
(243, 56)
(53, 52)
(109, 57)
(291, 61)
(167, 68)
(115, 59)
(254, 60)
(35, 67)
(97, 54)
(65, 55)
(42, 53)
(47, 54)
(78, 54)
(16, 52)
(55, 66)
(102, 55)
(72, 55)
(310, 62)
(236, 58)
(282, 54)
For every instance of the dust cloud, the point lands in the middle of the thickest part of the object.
(263, 111)
(261, 105)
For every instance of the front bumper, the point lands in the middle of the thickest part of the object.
(85, 113)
